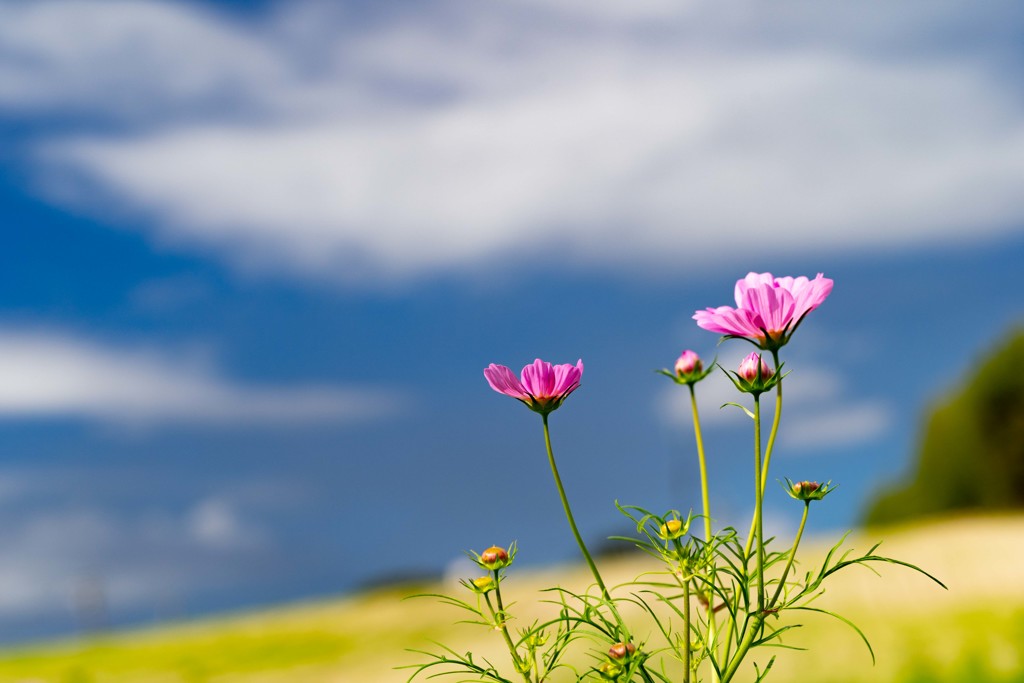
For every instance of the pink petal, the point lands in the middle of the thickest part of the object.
(567, 378)
(771, 307)
(751, 280)
(539, 379)
(504, 381)
(727, 320)
(809, 294)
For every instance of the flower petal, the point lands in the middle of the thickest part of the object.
(504, 381)
(751, 280)
(809, 294)
(539, 379)
(728, 320)
(771, 307)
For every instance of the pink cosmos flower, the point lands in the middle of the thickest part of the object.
(768, 309)
(543, 386)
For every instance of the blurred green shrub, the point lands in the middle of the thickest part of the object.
(972, 450)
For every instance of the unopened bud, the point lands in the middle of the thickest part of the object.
(494, 558)
(753, 369)
(483, 584)
(688, 364)
(808, 490)
(621, 650)
(610, 671)
(672, 529)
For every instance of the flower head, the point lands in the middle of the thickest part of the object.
(495, 558)
(541, 386)
(621, 650)
(689, 369)
(768, 309)
(754, 375)
(688, 363)
(672, 529)
(753, 368)
(481, 584)
(808, 490)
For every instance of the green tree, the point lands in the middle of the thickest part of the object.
(971, 455)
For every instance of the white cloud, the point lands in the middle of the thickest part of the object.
(470, 134)
(73, 559)
(54, 375)
(839, 425)
(215, 522)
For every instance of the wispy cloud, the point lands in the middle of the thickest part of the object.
(455, 136)
(59, 375)
(52, 557)
(837, 425)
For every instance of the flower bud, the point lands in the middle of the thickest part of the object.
(482, 584)
(805, 488)
(536, 640)
(688, 364)
(753, 369)
(610, 671)
(523, 665)
(689, 369)
(808, 490)
(672, 529)
(494, 558)
(621, 650)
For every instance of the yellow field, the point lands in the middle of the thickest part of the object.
(972, 633)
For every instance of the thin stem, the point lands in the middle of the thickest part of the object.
(756, 531)
(758, 504)
(576, 533)
(712, 621)
(792, 555)
(771, 442)
(499, 622)
(741, 651)
(775, 424)
(703, 466)
(686, 631)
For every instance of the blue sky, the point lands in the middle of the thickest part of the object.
(256, 256)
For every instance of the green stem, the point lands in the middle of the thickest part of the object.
(712, 621)
(758, 504)
(756, 532)
(792, 555)
(686, 631)
(741, 651)
(763, 478)
(775, 425)
(771, 444)
(703, 466)
(576, 533)
(499, 622)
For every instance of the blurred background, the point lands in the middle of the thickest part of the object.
(256, 255)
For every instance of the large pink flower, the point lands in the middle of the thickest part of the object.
(543, 386)
(768, 309)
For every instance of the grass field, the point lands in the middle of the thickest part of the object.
(972, 633)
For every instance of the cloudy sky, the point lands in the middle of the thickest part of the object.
(256, 255)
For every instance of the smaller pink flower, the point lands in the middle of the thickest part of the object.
(541, 386)
(688, 364)
(753, 369)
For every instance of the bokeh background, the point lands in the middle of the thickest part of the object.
(256, 254)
